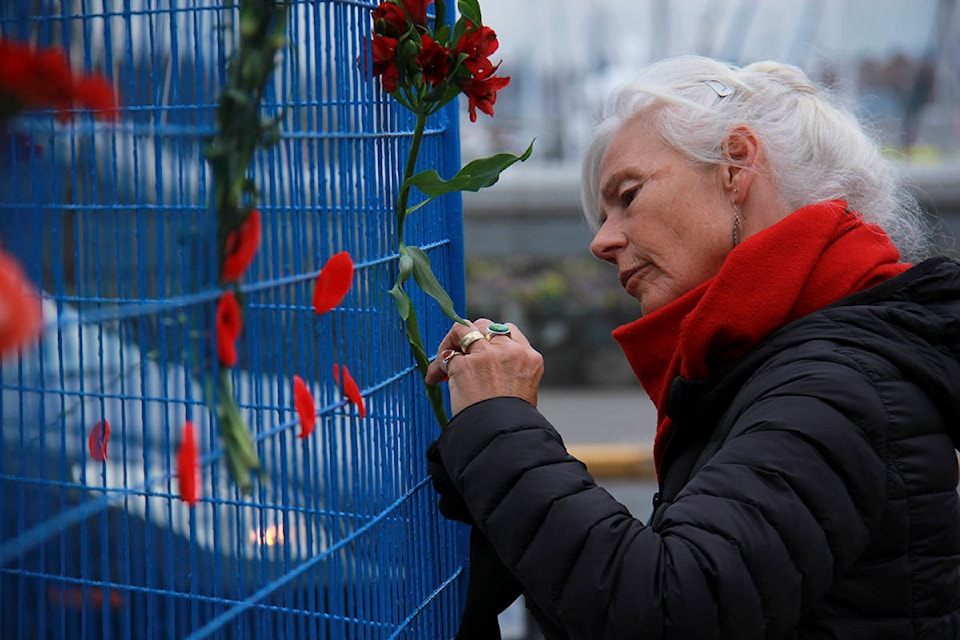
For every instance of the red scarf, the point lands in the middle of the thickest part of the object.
(807, 261)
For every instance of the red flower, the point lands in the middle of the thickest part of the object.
(482, 93)
(478, 44)
(97, 442)
(350, 388)
(389, 19)
(188, 465)
(306, 408)
(384, 50)
(434, 59)
(333, 282)
(20, 315)
(42, 78)
(229, 326)
(240, 248)
(417, 10)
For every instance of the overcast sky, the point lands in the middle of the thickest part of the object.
(552, 32)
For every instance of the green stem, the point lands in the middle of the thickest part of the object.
(404, 196)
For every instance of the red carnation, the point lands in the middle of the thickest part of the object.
(305, 406)
(482, 93)
(229, 326)
(97, 442)
(41, 78)
(188, 465)
(333, 282)
(20, 314)
(350, 389)
(240, 247)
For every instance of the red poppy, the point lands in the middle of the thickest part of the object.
(97, 442)
(384, 50)
(389, 19)
(240, 247)
(188, 465)
(434, 59)
(229, 326)
(32, 78)
(478, 44)
(306, 408)
(350, 388)
(333, 282)
(20, 314)
(417, 10)
(482, 93)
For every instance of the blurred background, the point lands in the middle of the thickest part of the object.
(894, 63)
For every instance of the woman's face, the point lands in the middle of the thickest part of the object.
(666, 224)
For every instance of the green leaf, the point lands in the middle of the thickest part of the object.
(473, 176)
(434, 393)
(426, 280)
(402, 300)
(470, 9)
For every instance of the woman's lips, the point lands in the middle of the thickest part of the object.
(630, 278)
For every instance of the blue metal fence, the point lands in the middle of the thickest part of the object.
(113, 222)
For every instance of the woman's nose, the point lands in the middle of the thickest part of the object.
(608, 240)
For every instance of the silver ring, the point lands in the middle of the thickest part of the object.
(446, 357)
(469, 339)
(497, 329)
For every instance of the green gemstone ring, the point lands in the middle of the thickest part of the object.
(497, 329)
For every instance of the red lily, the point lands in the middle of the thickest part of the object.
(306, 408)
(434, 59)
(479, 44)
(20, 314)
(188, 465)
(482, 93)
(229, 326)
(350, 389)
(97, 442)
(32, 78)
(417, 10)
(333, 282)
(389, 20)
(240, 247)
(384, 50)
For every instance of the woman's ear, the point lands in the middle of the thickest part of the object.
(741, 150)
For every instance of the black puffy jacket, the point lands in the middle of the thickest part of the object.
(808, 491)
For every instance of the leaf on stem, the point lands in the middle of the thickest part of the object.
(427, 281)
(470, 9)
(473, 176)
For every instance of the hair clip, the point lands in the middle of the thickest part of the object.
(719, 88)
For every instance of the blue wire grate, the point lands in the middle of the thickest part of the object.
(112, 221)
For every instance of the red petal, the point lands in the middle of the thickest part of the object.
(229, 326)
(20, 315)
(306, 408)
(240, 247)
(97, 442)
(188, 463)
(333, 283)
(350, 388)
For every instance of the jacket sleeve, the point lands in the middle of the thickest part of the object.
(750, 544)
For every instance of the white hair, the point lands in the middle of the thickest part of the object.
(816, 149)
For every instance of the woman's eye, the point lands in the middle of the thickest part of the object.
(627, 196)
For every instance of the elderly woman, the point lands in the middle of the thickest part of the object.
(807, 380)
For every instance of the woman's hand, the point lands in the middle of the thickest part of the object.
(503, 365)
